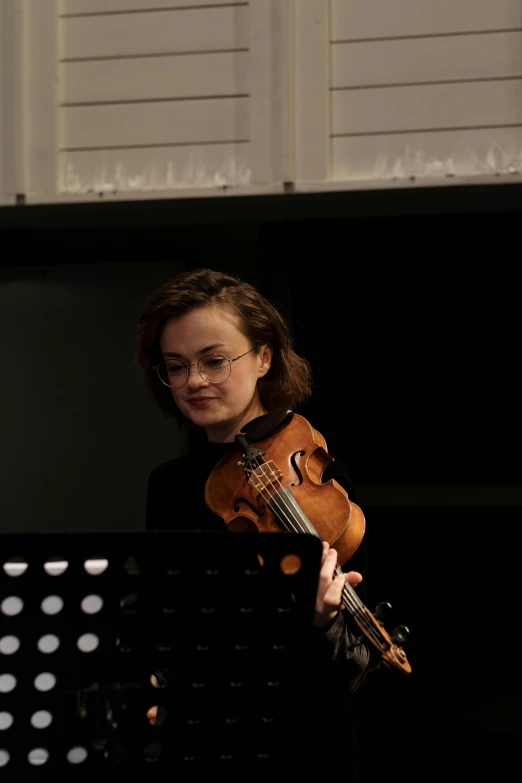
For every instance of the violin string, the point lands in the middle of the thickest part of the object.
(287, 516)
(362, 616)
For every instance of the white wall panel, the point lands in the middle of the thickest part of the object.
(118, 6)
(154, 95)
(41, 87)
(155, 78)
(355, 19)
(172, 122)
(272, 91)
(427, 107)
(157, 169)
(434, 59)
(159, 32)
(422, 88)
(422, 156)
(10, 93)
(115, 96)
(312, 91)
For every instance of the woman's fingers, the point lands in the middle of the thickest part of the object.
(331, 585)
(354, 578)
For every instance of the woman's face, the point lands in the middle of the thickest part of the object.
(222, 409)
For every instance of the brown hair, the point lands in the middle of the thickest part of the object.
(288, 382)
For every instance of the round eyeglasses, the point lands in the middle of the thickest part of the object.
(214, 368)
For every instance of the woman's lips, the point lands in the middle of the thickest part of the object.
(200, 401)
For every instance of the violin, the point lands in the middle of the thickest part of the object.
(276, 486)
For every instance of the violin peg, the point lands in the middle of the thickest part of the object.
(383, 611)
(400, 635)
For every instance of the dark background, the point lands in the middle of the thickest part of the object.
(406, 302)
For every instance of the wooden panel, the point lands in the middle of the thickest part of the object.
(353, 19)
(270, 74)
(174, 122)
(478, 56)
(154, 169)
(312, 97)
(41, 97)
(115, 6)
(155, 77)
(458, 153)
(161, 32)
(466, 105)
(11, 103)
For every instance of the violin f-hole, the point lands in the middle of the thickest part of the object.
(237, 507)
(296, 469)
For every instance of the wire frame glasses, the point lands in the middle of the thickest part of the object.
(214, 368)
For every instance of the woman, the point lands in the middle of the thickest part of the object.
(217, 355)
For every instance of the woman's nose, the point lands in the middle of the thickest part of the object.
(195, 378)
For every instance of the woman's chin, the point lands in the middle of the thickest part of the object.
(203, 418)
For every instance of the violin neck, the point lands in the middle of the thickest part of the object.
(349, 598)
(285, 507)
(293, 519)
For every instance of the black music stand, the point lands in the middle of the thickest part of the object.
(87, 618)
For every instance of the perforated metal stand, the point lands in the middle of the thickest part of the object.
(87, 618)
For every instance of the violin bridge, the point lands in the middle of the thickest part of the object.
(265, 476)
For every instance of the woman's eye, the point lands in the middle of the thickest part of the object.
(214, 363)
(175, 369)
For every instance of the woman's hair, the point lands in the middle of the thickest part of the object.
(288, 382)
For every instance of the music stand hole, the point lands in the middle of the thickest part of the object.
(156, 715)
(15, 566)
(9, 644)
(77, 755)
(131, 566)
(7, 683)
(158, 683)
(52, 604)
(129, 603)
(55, 566)
(48, 643)
(41, 719)
(45, 681)
(290, 564)
(96, 565)
(37, 756)
(152, 752)
(11, 605)
(6, 720)
(92, 604)
(88, 642)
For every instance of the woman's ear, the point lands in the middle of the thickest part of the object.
(265, 359)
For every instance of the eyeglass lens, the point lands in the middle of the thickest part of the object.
(214, 369)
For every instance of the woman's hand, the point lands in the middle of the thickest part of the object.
(330, 587)
(152, 712)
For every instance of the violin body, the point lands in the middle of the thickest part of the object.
(273, 483)
(301, 456)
